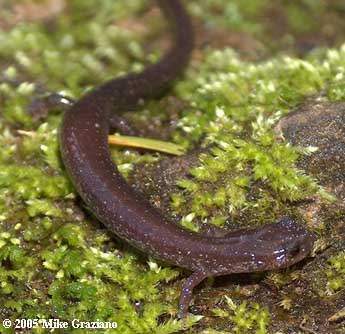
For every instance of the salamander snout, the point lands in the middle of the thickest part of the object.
(295, 244)
(284, 243)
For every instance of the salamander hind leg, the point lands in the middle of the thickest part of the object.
(214, 231)
(187, 291)
(122, 125)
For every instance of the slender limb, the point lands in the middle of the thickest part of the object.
(40, 107)
(187, 291)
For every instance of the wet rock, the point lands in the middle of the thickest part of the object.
(321, 125)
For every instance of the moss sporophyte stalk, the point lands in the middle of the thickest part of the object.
(56, 262)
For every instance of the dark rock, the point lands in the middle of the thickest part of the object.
(321, 125)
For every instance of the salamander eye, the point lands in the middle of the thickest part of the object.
(294, 250)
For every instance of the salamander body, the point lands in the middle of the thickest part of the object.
(126, 213)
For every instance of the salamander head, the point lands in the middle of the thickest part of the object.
(284, 243)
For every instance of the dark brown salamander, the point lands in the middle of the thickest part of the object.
(87, 159)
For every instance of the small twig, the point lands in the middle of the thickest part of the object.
(31, 134)
(149, 144)
(337, 317)
(307, 329)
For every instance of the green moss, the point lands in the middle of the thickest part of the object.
(235, 14)
(240, 104)
(300, 21)
(335, 272)
(43, 143)
(26, 182)
(80, 51)
(246, 318)
(55, 262)
(329, 279)
(15, 101)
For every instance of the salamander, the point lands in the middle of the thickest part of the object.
(86, 156)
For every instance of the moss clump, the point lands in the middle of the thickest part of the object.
(246, 318)
(80, 51)
(15, 101)
(235, 15)
(276, 25)
(81, 281)
(55, 262)
(335, 272)
(235, 106)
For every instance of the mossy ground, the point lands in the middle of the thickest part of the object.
(58, 262)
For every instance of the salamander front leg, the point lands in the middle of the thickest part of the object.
(41, 106)
(187, 291)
